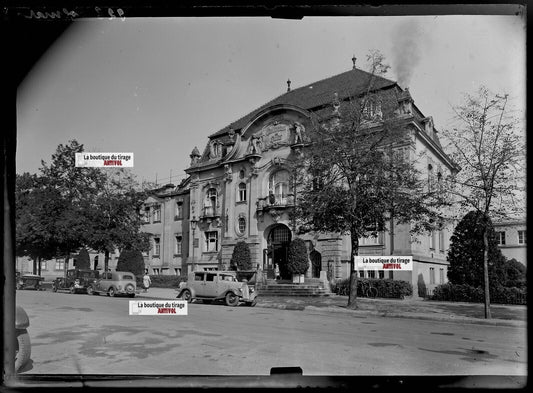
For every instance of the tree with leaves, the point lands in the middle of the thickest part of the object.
(70, 190)
(356, 181)
(487, 142)
(241, 259)
(115, 215)
(33, 227)
(465, 256)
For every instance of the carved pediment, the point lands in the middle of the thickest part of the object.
(274, 135)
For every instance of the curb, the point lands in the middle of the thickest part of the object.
(338, 309)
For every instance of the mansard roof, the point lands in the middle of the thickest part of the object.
(318, 94)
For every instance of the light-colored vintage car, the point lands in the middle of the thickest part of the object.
(217, 285)
(113, 284)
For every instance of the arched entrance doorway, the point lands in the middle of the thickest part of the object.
(316, 263)
(278, 242)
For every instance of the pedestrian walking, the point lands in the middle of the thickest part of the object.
(146, 281)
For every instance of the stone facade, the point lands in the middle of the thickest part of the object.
(239, 188)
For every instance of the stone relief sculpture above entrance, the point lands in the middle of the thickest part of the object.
(274, 135)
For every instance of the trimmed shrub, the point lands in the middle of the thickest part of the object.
(83, 261)
(392, 289)
(241, 259)
(467, 293)
(164, 281)
(131, 261)
(297, 260)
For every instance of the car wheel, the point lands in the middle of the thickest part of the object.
(253, 303)
(54, 288)
(231, 299)
(72, 289)
(187, 296)
(111, 292)
(90, 290)
(23, 350)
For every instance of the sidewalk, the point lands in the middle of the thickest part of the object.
(502, 315)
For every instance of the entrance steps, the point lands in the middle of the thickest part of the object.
(311, 287)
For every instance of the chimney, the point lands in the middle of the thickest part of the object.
(288, 85)
(353, 61)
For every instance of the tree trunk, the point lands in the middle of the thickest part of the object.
(34, 270)
(39, 265)
(486, 272)
(352, 296)
(65, 267)
(106, 260)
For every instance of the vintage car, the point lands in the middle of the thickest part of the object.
(113, 284)
(29, 281)
(77, 280)
(23, 345)
(217, 285)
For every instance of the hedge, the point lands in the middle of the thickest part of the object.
(387, 288)
(161, 281)
(466, 293)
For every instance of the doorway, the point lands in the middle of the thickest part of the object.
(278, 242)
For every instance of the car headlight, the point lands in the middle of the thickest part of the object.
(252, 289)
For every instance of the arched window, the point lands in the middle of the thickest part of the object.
(242, 192)
(278, 185)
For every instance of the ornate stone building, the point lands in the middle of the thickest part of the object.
(240, 185)
(239, 189)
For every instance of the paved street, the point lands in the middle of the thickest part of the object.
(83, 334)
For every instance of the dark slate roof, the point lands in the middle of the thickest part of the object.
(318, 94)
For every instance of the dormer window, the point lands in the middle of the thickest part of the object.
(372, 110)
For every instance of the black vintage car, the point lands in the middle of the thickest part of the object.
(29, 281)
(77, 281)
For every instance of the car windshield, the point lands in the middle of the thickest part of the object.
(227, 277)
(127, 277)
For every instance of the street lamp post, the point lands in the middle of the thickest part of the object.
(194, 223)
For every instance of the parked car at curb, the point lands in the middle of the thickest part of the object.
(23, 345)
(114, 284)
(29, 281)
(217, 285)
(77, 280)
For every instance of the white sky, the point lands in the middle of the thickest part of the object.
(157, 87)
